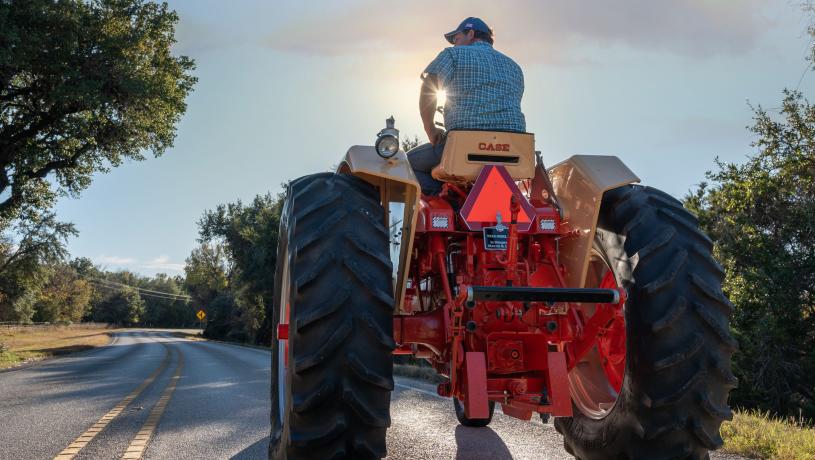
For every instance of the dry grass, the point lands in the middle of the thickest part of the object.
(192, 334)
(755, 434)
(22, 345)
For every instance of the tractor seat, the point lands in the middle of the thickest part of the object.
(467, 152)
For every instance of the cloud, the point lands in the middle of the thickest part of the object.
(162, 262)
(540, 31)
(114, 260)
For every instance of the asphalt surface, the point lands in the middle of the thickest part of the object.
(216, 407)
(219, 409)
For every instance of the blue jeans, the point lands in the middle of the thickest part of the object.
(423, 159)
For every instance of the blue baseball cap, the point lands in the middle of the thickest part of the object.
(468, 24)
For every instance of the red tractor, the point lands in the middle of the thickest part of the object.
(569, 292)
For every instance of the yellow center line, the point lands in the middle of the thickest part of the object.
(86, 437)
(139, 443)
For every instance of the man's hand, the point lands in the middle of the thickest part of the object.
(435, 135)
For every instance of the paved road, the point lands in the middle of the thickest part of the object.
(424, 427)
(219, 407)
(163, 397)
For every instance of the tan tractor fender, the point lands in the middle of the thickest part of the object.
(579, 183)
(397, 186)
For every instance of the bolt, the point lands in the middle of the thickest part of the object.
(515, 354)
(470, 304)
(471, 326)
(551, 326)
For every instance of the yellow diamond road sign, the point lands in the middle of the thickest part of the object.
(201, 315)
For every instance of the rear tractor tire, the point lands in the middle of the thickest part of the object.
(678, 345)
(332, 379)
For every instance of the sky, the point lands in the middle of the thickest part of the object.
(285, 88)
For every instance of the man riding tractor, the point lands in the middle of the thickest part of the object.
(483, 90)
(570, 291)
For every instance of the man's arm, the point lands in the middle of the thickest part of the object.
(427, 108)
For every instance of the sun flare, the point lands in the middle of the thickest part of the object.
(441, 97)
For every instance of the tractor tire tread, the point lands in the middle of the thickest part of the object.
(678, 372)
(670, 316)
(340, 365)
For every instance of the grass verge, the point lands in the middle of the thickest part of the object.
(755, 434)
(189, 334)
(21, 345)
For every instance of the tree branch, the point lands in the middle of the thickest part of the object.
(69, 162)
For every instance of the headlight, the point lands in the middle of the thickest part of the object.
(387, 146)
(387, 141)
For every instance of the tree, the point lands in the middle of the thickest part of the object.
(84, 85)
(762, 216)
(207, 273)
(249, 235)
(409, 143)
(24, 260)
(124, 307)
(64, 297)
(166, 312)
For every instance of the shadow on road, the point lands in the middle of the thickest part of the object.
(260, 449)
(480, 443)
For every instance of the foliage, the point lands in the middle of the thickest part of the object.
(38, 241)
(158, 306)
(84, 85)
(124, 307)
(761, 216)
(207, 271)
(221, 321)
(409, 143)
(64, 298)
(248, 233)
(207, 280)
(165, 312)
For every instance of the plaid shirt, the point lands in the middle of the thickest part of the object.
(483, 88)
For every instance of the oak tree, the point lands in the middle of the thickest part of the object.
(84, 85)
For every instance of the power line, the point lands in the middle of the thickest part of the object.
(143, 294)
(803, 74)
(117, 284)
(148, 292)
(136, 287)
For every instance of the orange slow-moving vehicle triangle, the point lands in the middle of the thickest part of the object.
(491, 194)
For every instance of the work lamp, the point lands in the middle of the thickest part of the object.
(387, 141)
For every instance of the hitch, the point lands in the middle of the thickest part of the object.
(535, 294)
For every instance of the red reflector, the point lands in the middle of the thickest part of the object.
(490, 195)
(282, 332)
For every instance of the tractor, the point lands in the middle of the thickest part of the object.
(569, 291)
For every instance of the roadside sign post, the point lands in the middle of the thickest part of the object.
(201, 315)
